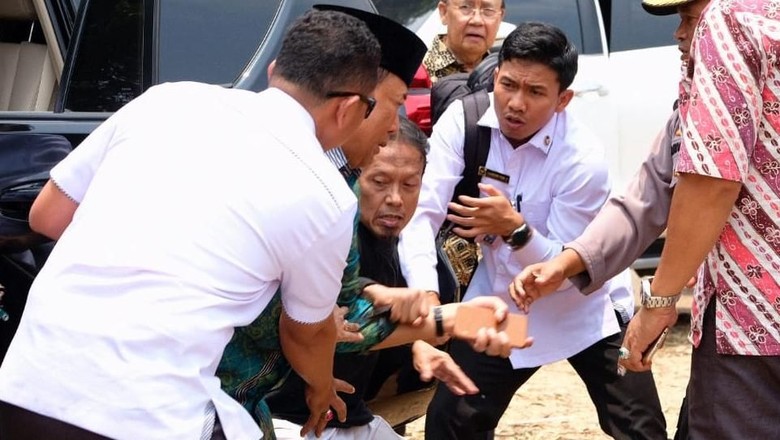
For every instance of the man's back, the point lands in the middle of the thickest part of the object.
(194, 249)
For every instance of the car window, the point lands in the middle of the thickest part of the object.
(107, 71)
(577, 18)
(199, 40)
(633, 28)
(409, 13)
(225, 32)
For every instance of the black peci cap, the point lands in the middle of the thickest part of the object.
(402, 50)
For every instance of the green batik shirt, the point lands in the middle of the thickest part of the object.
(252, 364)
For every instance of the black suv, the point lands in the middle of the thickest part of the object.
(65, 65)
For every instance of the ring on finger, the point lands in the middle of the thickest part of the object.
(623, 353)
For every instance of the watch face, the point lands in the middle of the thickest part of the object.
(520, 236)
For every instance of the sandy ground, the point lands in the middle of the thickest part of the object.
(555, 405)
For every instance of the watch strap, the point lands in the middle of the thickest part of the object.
(437, 319)
(649, 301)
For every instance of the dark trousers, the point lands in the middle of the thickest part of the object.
(627, 407)
(730, 396)
(20, 424)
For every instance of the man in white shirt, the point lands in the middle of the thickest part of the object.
(544, 181)
(177, 220)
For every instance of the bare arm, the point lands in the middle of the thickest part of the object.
(309, 348)
(700, 208)
(488, 339)
(52, 211)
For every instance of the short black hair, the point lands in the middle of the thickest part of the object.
(410, 134)
(326, 51)
(542, 43)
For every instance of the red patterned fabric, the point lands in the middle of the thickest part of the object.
(731, 123)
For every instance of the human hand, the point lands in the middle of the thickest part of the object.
(320, 403)
(431, 362)
(487, 339)
(492, 215)
(643, 329)
(407, 306)
(534, 282)
(345, 331)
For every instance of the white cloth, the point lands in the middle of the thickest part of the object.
(376, 429)
(563, 179)
(196, 202)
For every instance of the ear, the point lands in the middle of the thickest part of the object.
(270, 71)
(442, 7)
(495, 77)
(564, 99)
(344, 110)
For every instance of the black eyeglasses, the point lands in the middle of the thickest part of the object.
(369, 101)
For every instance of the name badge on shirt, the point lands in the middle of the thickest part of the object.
(487, 172)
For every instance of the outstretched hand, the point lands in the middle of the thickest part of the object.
(540, 279)
(488, 340)
(431, 363)
(534, 282)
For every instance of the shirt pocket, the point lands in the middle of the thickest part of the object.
(536, 214)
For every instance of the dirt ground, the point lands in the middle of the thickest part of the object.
(554, 405)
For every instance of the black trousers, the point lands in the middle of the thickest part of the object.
(731, 397)
(628, 407)
(20, 424)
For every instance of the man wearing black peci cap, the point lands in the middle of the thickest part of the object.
(252, 365)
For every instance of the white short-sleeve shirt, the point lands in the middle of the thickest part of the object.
(195, 204)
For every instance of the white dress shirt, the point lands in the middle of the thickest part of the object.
(563, 179)
(195, 204)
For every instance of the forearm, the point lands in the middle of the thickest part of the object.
(309, 349)
(628, 224)
(406, 334)
(699, 211)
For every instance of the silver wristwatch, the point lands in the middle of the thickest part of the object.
(653, 302)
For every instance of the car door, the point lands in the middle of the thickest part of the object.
(34, 35)
(645, 66)
(116, 50)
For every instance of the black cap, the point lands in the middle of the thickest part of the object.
(402, 50)
(663, 7)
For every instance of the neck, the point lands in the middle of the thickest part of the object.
(313, 105)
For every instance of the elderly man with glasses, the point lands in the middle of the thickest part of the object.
(471, 31)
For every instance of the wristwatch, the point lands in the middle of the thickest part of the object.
(654, 302)
(519, 237)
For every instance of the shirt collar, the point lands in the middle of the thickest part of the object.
(439, 56)
(339, 160)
